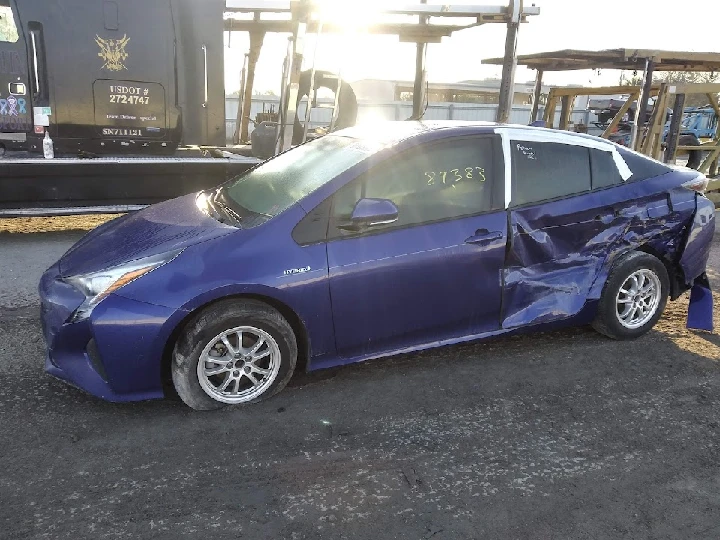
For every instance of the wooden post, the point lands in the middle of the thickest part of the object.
(674, 132)
(507, 86)
(651, 143)
(641, 113)
(550, 107)
(536, 96)
(565, 112)
(713, 101)
(256, 43)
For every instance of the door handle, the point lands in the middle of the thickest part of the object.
(205, 60)
(483, 236)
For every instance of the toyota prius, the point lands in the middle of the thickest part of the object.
(371, 242)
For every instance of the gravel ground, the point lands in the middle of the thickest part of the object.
(565, 435)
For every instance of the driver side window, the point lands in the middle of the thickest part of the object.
(435, 182)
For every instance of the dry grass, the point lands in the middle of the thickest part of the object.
(28, 225)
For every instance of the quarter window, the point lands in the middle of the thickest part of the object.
(604, 171)
(439, 181)
(642, 167)
(543, 171)
(8, 28)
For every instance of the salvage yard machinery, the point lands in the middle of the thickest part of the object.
(132, 92)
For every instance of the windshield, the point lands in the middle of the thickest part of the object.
(279, 183)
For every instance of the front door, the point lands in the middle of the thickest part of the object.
(435, 273)
(15, 105)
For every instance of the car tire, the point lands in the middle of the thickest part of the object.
(234, 352)
(634, 297)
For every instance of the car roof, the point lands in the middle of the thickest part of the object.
(392, 132)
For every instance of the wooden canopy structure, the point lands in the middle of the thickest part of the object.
(627, 59)
(647, 60)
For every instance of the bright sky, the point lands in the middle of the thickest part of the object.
(562, 24)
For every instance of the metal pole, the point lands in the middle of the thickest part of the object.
(674, 131)
(336, 106)
(641, 112)
(282, 109)
(507, 86)
(294, 85)
(419, 97)
(536, 96)
(241, 102)
(311, 93)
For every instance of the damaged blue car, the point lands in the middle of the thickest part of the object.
(371, 242)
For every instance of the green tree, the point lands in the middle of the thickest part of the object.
(690, 77)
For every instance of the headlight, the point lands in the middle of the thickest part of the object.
(98, 285)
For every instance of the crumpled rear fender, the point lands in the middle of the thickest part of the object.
(699, 240)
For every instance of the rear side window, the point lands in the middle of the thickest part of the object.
(8, 28)
(604, 171)
(438, 181)
(543, 171)
(642, 167)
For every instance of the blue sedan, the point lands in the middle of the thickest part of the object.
(372, 242)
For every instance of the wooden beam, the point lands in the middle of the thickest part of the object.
(695, 88)
(710, 158)
(713, 100)
(600, 90)
(618, 117)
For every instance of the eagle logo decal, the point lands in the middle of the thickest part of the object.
(112, 51)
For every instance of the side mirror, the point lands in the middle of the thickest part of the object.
(371, 212)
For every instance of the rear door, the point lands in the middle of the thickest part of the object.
(15, 107)
(560, 231)
(434, 274)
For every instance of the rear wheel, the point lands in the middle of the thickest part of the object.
(233, 353)
(634, 297)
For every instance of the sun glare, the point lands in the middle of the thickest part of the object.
(351, 14)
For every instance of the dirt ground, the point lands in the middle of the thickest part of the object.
(562, 435)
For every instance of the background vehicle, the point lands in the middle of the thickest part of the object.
(107, 77)
(699, 125)
(413, 230)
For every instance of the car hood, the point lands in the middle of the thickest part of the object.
(160, 228)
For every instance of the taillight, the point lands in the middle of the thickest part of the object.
(699, 183)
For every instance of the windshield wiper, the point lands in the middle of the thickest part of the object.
(229, 211)
(214, 209)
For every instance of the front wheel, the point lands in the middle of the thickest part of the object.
(232, 353)
(634, 297)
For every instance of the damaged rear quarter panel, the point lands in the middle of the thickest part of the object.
(561, 251)
(697, 247)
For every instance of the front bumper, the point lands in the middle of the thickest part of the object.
(115, 354)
